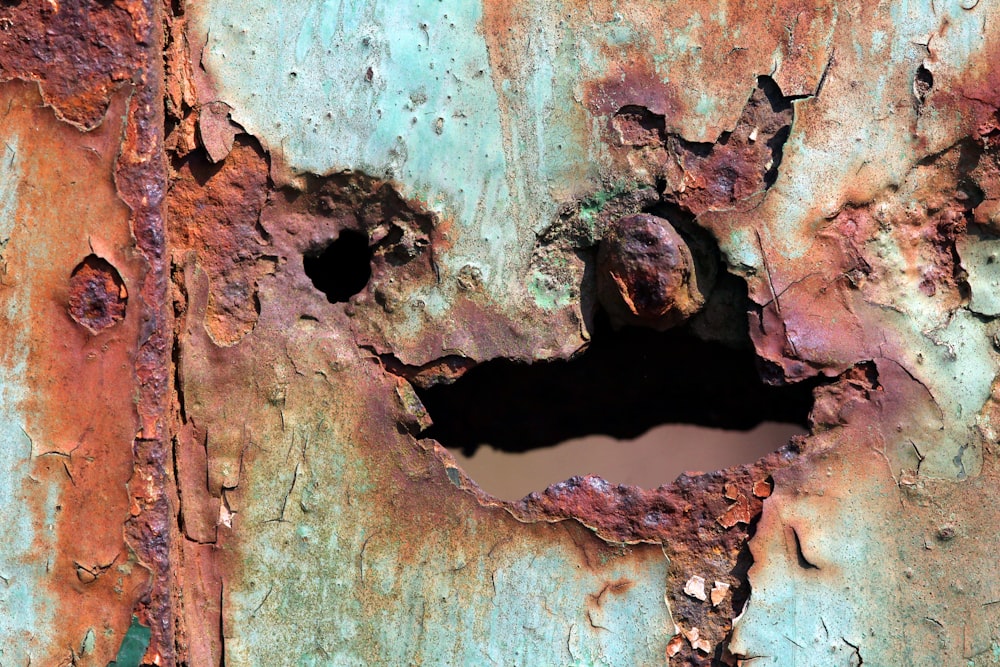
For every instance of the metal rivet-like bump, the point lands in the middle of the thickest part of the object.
(646, 273)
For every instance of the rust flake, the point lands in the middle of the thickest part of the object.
(214, 212)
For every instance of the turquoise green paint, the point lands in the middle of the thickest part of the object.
(981, 259)
(803, 616)
(592, 206)
(867, 143)
(325, 584)
(88, 643)
(134, 645)
(429, 116)
(406, 91)
(24, 616)
(549, 292)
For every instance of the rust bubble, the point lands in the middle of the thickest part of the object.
(97, 294)
(646, 273)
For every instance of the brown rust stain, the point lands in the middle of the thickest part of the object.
(682, 517)
(731, 173)
(634, 83)
(215, 214)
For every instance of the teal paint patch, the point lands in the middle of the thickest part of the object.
(980, 255)
(134, 645)
(24, 617)
(88, 643)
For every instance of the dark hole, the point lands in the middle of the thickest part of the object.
(777, 146)
(342, 268)
(970, 193)
(641, 118)
(922, 83)
(628, 382)
(779, 102)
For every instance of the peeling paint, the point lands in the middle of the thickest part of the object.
(215, 456)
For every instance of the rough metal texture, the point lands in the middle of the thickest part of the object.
(208, 460)
(84, 377)
(832, 154)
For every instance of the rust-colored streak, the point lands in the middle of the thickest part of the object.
(141, 179)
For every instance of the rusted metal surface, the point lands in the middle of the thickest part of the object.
(211, 461)
(646, 273)
(82, 290)
(827, 152)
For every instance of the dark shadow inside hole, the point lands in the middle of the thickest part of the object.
(342, 268)
(625, 383)
(777, 146)
(779, 101)
(923, 82)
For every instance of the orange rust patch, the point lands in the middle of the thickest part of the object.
(80, 412)
(214, 211)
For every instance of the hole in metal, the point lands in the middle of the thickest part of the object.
(681, 402)
(342, 268)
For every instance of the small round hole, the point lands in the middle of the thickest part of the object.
(342, 268)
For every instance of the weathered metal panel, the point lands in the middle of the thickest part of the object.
(522, 131)
(80, 172)
(513, 168)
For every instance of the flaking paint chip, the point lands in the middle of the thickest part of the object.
(674, 646)
(697, 642)
(225, 515)
(762, 488)
(695, 587)
(719, 591)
